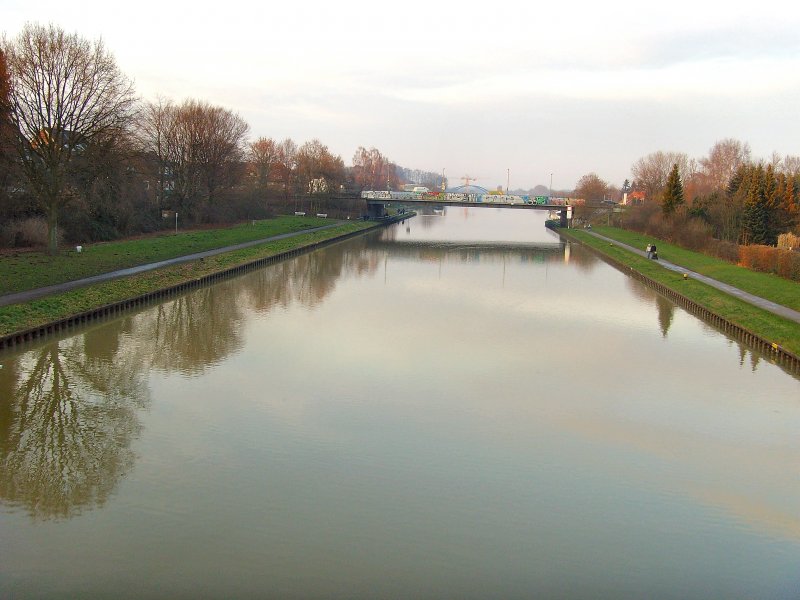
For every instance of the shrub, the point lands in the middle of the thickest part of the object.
(690, 233)
(722, 249)
(768, 259)
(30, 232)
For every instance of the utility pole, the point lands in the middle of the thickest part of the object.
(551, 186)
(508, 180)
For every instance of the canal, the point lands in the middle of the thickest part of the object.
(458, 406)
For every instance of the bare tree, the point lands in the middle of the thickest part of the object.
(372, 170)
(66, 92)
(5, 112)
(262, 156)
(790, 165)
(591, 188)
(318, 170)
(723, 159)
(195, 149)
(652, 171)
(221, 137)
(287, 165)
(155, 137)
(6, 130)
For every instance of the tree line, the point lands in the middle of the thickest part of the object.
(82, 158)
(726, 195)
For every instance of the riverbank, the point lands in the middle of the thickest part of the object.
(20, 271)
(773, 334)
(31, 320)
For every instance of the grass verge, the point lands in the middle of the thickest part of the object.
(20, 271)
(771, 327)
(19, 317)
(769, 286)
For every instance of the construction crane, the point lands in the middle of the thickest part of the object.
(467, 178)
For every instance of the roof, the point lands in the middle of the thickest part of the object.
(467, 189)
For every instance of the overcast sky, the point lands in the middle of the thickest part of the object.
(564, 87)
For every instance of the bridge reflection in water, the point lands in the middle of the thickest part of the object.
(476, 251)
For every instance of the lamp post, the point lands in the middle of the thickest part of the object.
(551, 186)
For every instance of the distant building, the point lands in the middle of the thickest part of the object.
(630, 198)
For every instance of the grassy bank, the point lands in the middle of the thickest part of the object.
(20, 271)
(771, 327)
(774, 288)
(24, 316)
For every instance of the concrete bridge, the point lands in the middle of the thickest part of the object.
(376, 208)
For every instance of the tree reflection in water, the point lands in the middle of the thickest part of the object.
(68, 418)
(193, 331)
(69, 410)
(666, 313)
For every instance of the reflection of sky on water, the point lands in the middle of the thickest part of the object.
(511, 421)
(459, 224)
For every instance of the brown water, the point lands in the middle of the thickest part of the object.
(460, 406)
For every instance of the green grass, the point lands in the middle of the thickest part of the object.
(771, 327)
(769, 286)
(19, 317)
(29, 270)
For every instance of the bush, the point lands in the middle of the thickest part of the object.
(768, 259)
(724, 250)
(28, 233)
(694, 234)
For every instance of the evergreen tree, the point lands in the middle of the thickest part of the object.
(772, 201)
(737, 180)
(755, 224)
(673, 193)
(789, 203)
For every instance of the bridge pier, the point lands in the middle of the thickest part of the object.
(376, 210)
(565, 216)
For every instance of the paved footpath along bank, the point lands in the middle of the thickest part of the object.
(768, 305)
(742, 315)
(28, 295)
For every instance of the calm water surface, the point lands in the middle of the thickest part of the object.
(460, 406)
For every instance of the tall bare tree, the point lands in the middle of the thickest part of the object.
(195, 149)
(724, 158)
(155, 136)
(591, 188)
(652, 171)
(220, 137)
(287, 165)
(262, 157)
(66, 92)
(318, 169)
(372, 170)
(5, 109)
(6, 130)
